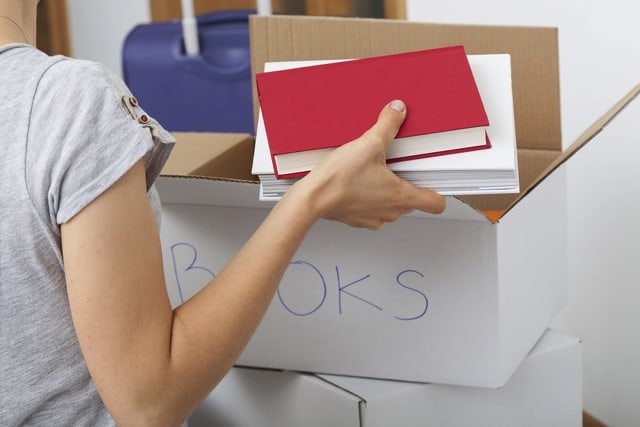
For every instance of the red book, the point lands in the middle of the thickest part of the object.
(311, 110)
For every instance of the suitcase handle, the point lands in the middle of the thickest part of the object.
(189, 28)
(190, 24)
(199, 64)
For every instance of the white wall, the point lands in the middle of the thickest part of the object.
(98, 28)
(599, 63)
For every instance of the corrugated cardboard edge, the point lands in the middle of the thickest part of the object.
(211, 178)
(590, 133)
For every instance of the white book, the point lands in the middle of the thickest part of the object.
(489, 171)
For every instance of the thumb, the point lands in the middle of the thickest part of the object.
(389, 121)
(429, 201)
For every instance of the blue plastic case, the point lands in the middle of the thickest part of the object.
(209, 92)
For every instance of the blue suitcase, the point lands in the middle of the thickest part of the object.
(209, 91)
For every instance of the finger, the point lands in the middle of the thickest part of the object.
(389, 121)
(429, 201)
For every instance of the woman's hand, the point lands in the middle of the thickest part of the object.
(354, 185)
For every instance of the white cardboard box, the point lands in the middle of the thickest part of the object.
(546, 390)
(453, 299)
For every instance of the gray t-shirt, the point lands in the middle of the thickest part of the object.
(68, 131)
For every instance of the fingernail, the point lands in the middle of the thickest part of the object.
(397, 105)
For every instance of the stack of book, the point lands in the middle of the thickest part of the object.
(458, 137)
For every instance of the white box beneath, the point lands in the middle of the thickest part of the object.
(546, 390)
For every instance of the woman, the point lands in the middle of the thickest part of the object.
(88, 336)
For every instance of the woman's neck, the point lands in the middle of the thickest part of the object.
(11, 31)
(18, 21)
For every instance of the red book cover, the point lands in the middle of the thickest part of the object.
(323, 106)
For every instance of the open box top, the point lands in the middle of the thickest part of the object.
(535, 80)
(534, 63)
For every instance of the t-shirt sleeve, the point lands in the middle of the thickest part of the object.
(85, 132)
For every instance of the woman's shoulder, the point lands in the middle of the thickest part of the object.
(80, 74)
(82, 89)
(58, 68)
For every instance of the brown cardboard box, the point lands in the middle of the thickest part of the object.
(589, 420)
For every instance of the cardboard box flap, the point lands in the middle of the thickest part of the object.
(212, 155)
(533, 50)
(203, 191)
(580, 142)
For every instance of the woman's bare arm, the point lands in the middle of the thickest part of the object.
(152, 365)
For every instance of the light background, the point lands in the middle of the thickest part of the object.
(599, 63)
